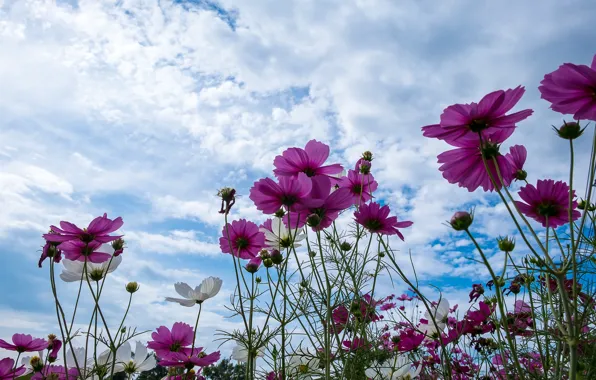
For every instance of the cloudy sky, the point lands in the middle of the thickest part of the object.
(144, 108)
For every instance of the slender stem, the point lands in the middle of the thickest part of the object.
(194, 337)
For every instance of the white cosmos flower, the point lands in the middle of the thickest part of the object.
(141, 362)
(240, 353)
(304, 366)
(73, 270)
(440, 313)
(398, 368)
(208, 289)
(280, 237)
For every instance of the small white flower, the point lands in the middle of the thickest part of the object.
(73, 270)
(281, 237)
(304, 366)
(398, 368)
(440, 313)
(141, 362)
(240, 353)
(208, 289)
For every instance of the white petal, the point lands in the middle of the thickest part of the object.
(183, 289)
(105, 358)
(211, 286)
(148, 364)
(124, 353)
(113, 265)
(140, 353)
(70, 276)
(187, 303)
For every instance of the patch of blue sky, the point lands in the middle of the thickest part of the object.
(229, 16)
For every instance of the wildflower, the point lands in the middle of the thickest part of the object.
(506, 244)
(253, 265)
(477, 291)
(547, 202)
(55, 372)
(98, 231)
(461, 220)
(240, 353)
(8, 370)
(355, 344)
(73, 271)
(363, 166)
(439, 313)
(54, 346)
(228, 198)
(280, 237)
(376, 219)
(517, 158)
(309, 161)
(571, 89)
(304, 366)
(242, 239)
(77, 250)
(208, 289)
(132, 287)
(387, 306)
(270, 196)
(166, 342)
(50, 250)
(129, 363)
(361, 186)
(396, 368)
(461, 124)
(24, 343)
(198, 358)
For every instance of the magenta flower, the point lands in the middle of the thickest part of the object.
(517, 158)
(387, 306)
(54, 346)
(98, 230)
(340, 315)
(55, 371)
(245, 238)
(77, 250)
(571, 89)
(547, 200)
(409, 340)
(477, 291)
(309, 161)
(24, 343)
(50, 250)
(6, 369)
(376, 219)
(166, 342)
(322, 207)
(361, 186)
(354, 344)
(269, 196)
(461, 124)
(198, 359)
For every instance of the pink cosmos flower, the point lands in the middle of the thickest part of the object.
(198, 358)
(166, 342)
(517, 158)
(548, 199)
(54, 346)
(57, 371)
(77, 250)
(24, 343)
(409, 340)
(269, 196)
(405, 297)
(323, 204)
(50, 250)
(354, 344)
(6, 369)
(98, 230)
(376, 219)
(340, 315)
(273, 376)
(387, 306)
(361, 186)
(245, 238)
(461, 124)
(309, 161)
(572, 90)
(522, 307)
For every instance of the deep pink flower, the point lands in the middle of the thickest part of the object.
(24, 343)
(77, 250)
(309, 161)
(361, 186)
(340, 317)
(57, 370)
(477, 291)
(273, 376)
(50, 250)
(462, 123)
(269, 196)
(465, 166)
(323, 204)
(522, 307)
(517, 158)
(268, 225)
(548, 199)
(409, 340)
(572, 90)
(253, 265)
(481, 314)
(354, 344)
(376, 219)
(387, 306)
(54, 346)
(405, 297)
(166, 342)
(198, 359)
(245, 238)
(98, 230)
(6, 369)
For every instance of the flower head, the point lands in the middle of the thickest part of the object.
(198, 358)
(280, 237)
(24, 343)
(309, 161)
(461, 124)
(55, 372)
(397, 368)
(376, 219)
(73, 271)
(571, 89)
(98, 231)
(50, 250)
(269, 196)
(78, 250)
(8, 370)
(208, 289)
(126, 362)
(361, 186)
(517, 158)
(166, 342)
(547, 202)
(245, 238)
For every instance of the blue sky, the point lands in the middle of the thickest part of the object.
(143, 109)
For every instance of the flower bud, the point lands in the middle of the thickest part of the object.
(313, 220)
(304, 284)
(582, 204)
(228, 198)
(258, 279)
(280, 213)
(51, 337)
(123, 330)
(276, 256)
(132, 287)
(569, 131)
(515, 287)
(312, 254)
(381, 254)
(345, 246)
(461, 220)
(36, 363)
(521, 175)
(118, 246)
(506, 244)
(268, 263)
(367, 156)
(253, 266)
(263, 254)
(591, 207)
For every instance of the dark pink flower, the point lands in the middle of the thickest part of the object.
(57, 371)
(24, 343)
(98, 230)
(361, 186)
(54, 346)
(477, 291)
(354, 344)
(405, 297)
(376, 219)
(166, 342)
(462, 123)
(309, 161)
(6, 369)
(340, 315)
(198, 359)
(273, 376)
(77, 250)
(245, 238)
(517, 158)
(50, 250)
(322, 204)
(387, 306)
(409, 340)
(269, 196)
(572, 90)
(522, 307)
(547, 200)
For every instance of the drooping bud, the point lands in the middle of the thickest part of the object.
(506, 244)
(132, 287)
(461, 220)
(276, 257)
(569, 131)
(228, 198)
(313, 220)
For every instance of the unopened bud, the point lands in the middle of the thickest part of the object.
(263, 253)
(312, 254)
(118, 246)
(521, 175)
(258, 280)
(268, 263)
(280, 213)
(276, 256)
(506, 244)
(461, 220)
(313, 220)
(253, 266)
(367, 156)
(132, 287)
(582, 204)
(569, 131)
(36, 363)
(345, 246)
